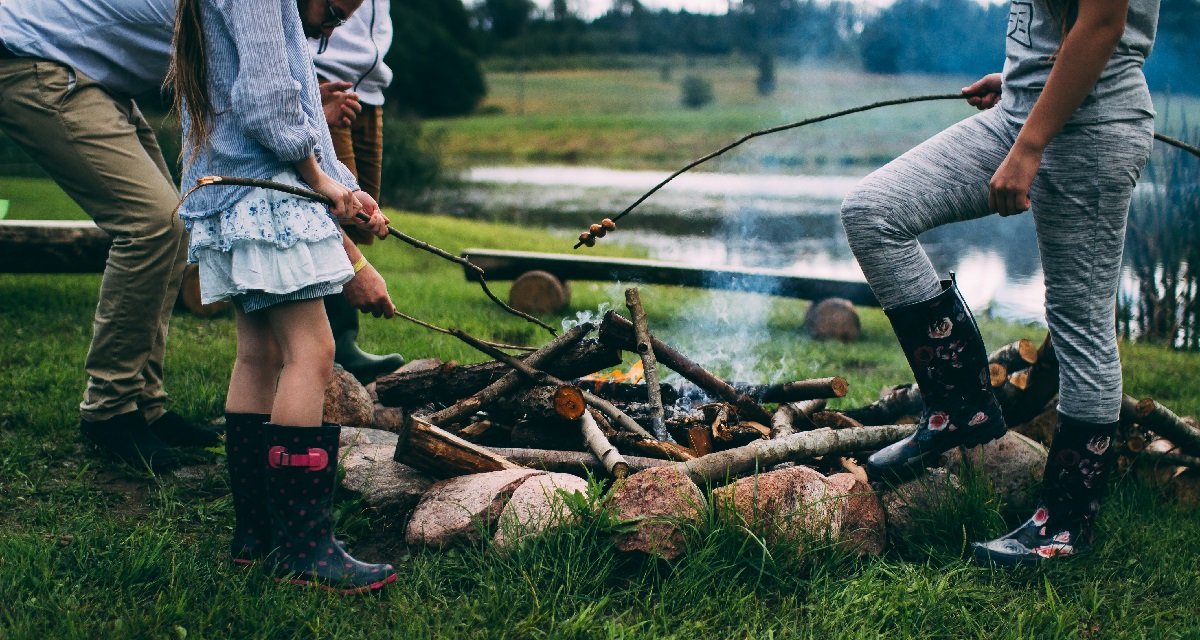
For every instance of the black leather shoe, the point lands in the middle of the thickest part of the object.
(178, 431)
(127, 438)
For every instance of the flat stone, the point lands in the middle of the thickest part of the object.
(352, 436)
(1013, 463)
(387, 486)
(464, 509)
(663, 500)
(537, 506)
(347, 402)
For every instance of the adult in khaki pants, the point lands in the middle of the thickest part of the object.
(68, 69)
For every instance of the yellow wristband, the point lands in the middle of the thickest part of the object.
(359, 264)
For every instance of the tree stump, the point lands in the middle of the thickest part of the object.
(833, 319)
(539, 292)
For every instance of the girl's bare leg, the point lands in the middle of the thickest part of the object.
(301, 330)
(256, 367)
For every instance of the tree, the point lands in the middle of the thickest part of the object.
(436, 72)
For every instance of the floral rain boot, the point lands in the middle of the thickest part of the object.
(945, 351)
(1073, 485)
(244, 453)
(301, 471)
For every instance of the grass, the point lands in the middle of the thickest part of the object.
(91, 550)
(632, 119)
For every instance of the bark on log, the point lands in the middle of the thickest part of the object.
(547, 402)
(1168, 458)
(605, 452)
(645, 350)
(794, 417)
(700, 440)
(902, 400)
(625, 391)
(652, 447)
(617, 331)
(764, 454)
(451, 382)
(1039, 386)
(52, 246)
(834, 420)
(1016, 355)
(511, 381)
(577, 463)
(833, 387)
(427, 448)
(1164, 422)
(189, 295)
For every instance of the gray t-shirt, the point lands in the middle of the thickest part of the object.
(1120, 93)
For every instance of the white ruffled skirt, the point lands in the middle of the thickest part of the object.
(268, 242)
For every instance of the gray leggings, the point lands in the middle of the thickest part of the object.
(1080, 203)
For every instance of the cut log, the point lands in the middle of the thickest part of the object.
(833, 387)
(451, 382)
(998, 374)
(764, 454)
(441, 454)
(1160, 461)
(1015, 355)
(511, 381)
(792, 417)
(605, 452)
(893, 404)
(1164, 422)
(546, 402)
(645, 350)
(617, 331)
(1025, 396)
(539, 292)
(578, 463)
(833, 319)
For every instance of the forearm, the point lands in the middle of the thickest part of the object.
(309, 170)
(1081, 59)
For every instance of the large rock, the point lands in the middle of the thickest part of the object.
(798, 505)
(387, 418)
(387, 486)
(907, 504)
(347, 402)
(538, 505)
(663, 501)
(1012, 463)
(464, 510)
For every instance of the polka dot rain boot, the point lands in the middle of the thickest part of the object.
(946, 353)
(244, 453)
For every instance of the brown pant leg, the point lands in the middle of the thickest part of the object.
(93, 146)
(367, 135)
(344, 148)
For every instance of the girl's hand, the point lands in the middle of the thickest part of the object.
(984, 93)
(345, 206)
(1008, 191)
(377, 223)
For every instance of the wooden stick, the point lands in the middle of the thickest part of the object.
(1150, 456)
(619, 331)
(794, 417)
(511, 380)
(833, 387)
(541, 377)
(645, 351)
(605, 452)
(578, 463)
(764, 454)
(552, 403)
(1164, 422)
(439, 453)
(652, 447)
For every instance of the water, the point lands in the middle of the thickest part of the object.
(763, 221)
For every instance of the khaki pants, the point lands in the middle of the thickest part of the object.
(360, 148)
(101, 151)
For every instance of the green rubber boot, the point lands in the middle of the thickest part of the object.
(343, 319)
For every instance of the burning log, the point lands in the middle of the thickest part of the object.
(649, 364)
(511, 381)
(605, 452)
(1164, 422)
(1015, 356)
(439, 453)
(618, 331)
(834, 387)
(574, 462)
(548, 402)
(627, 392)
(795, 416)
(451, 382)
(764, 454)
(893, 404)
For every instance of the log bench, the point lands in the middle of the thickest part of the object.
(76, 246)
(540, 280)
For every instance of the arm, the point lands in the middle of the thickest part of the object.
(1084, 53)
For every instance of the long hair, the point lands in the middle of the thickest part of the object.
(1064, 12)
(188, 74)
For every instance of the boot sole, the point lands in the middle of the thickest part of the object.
(915, 467)
(374, 586)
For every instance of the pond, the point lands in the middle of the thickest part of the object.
(763, 221)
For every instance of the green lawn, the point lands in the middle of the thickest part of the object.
(91, 550)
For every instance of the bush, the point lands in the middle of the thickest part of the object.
(697, 92)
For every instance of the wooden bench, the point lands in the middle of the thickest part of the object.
(540, 279)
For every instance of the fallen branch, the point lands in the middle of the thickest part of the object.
(577, 463)
(645, 351)
(605, 452)
(1164, 422)
(794, 417)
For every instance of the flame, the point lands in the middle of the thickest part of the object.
(635, 375)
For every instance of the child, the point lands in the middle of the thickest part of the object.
(1067, 142)
(248, 98)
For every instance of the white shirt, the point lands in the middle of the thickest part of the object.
(356, 49)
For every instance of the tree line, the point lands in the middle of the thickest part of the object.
(439, 44)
